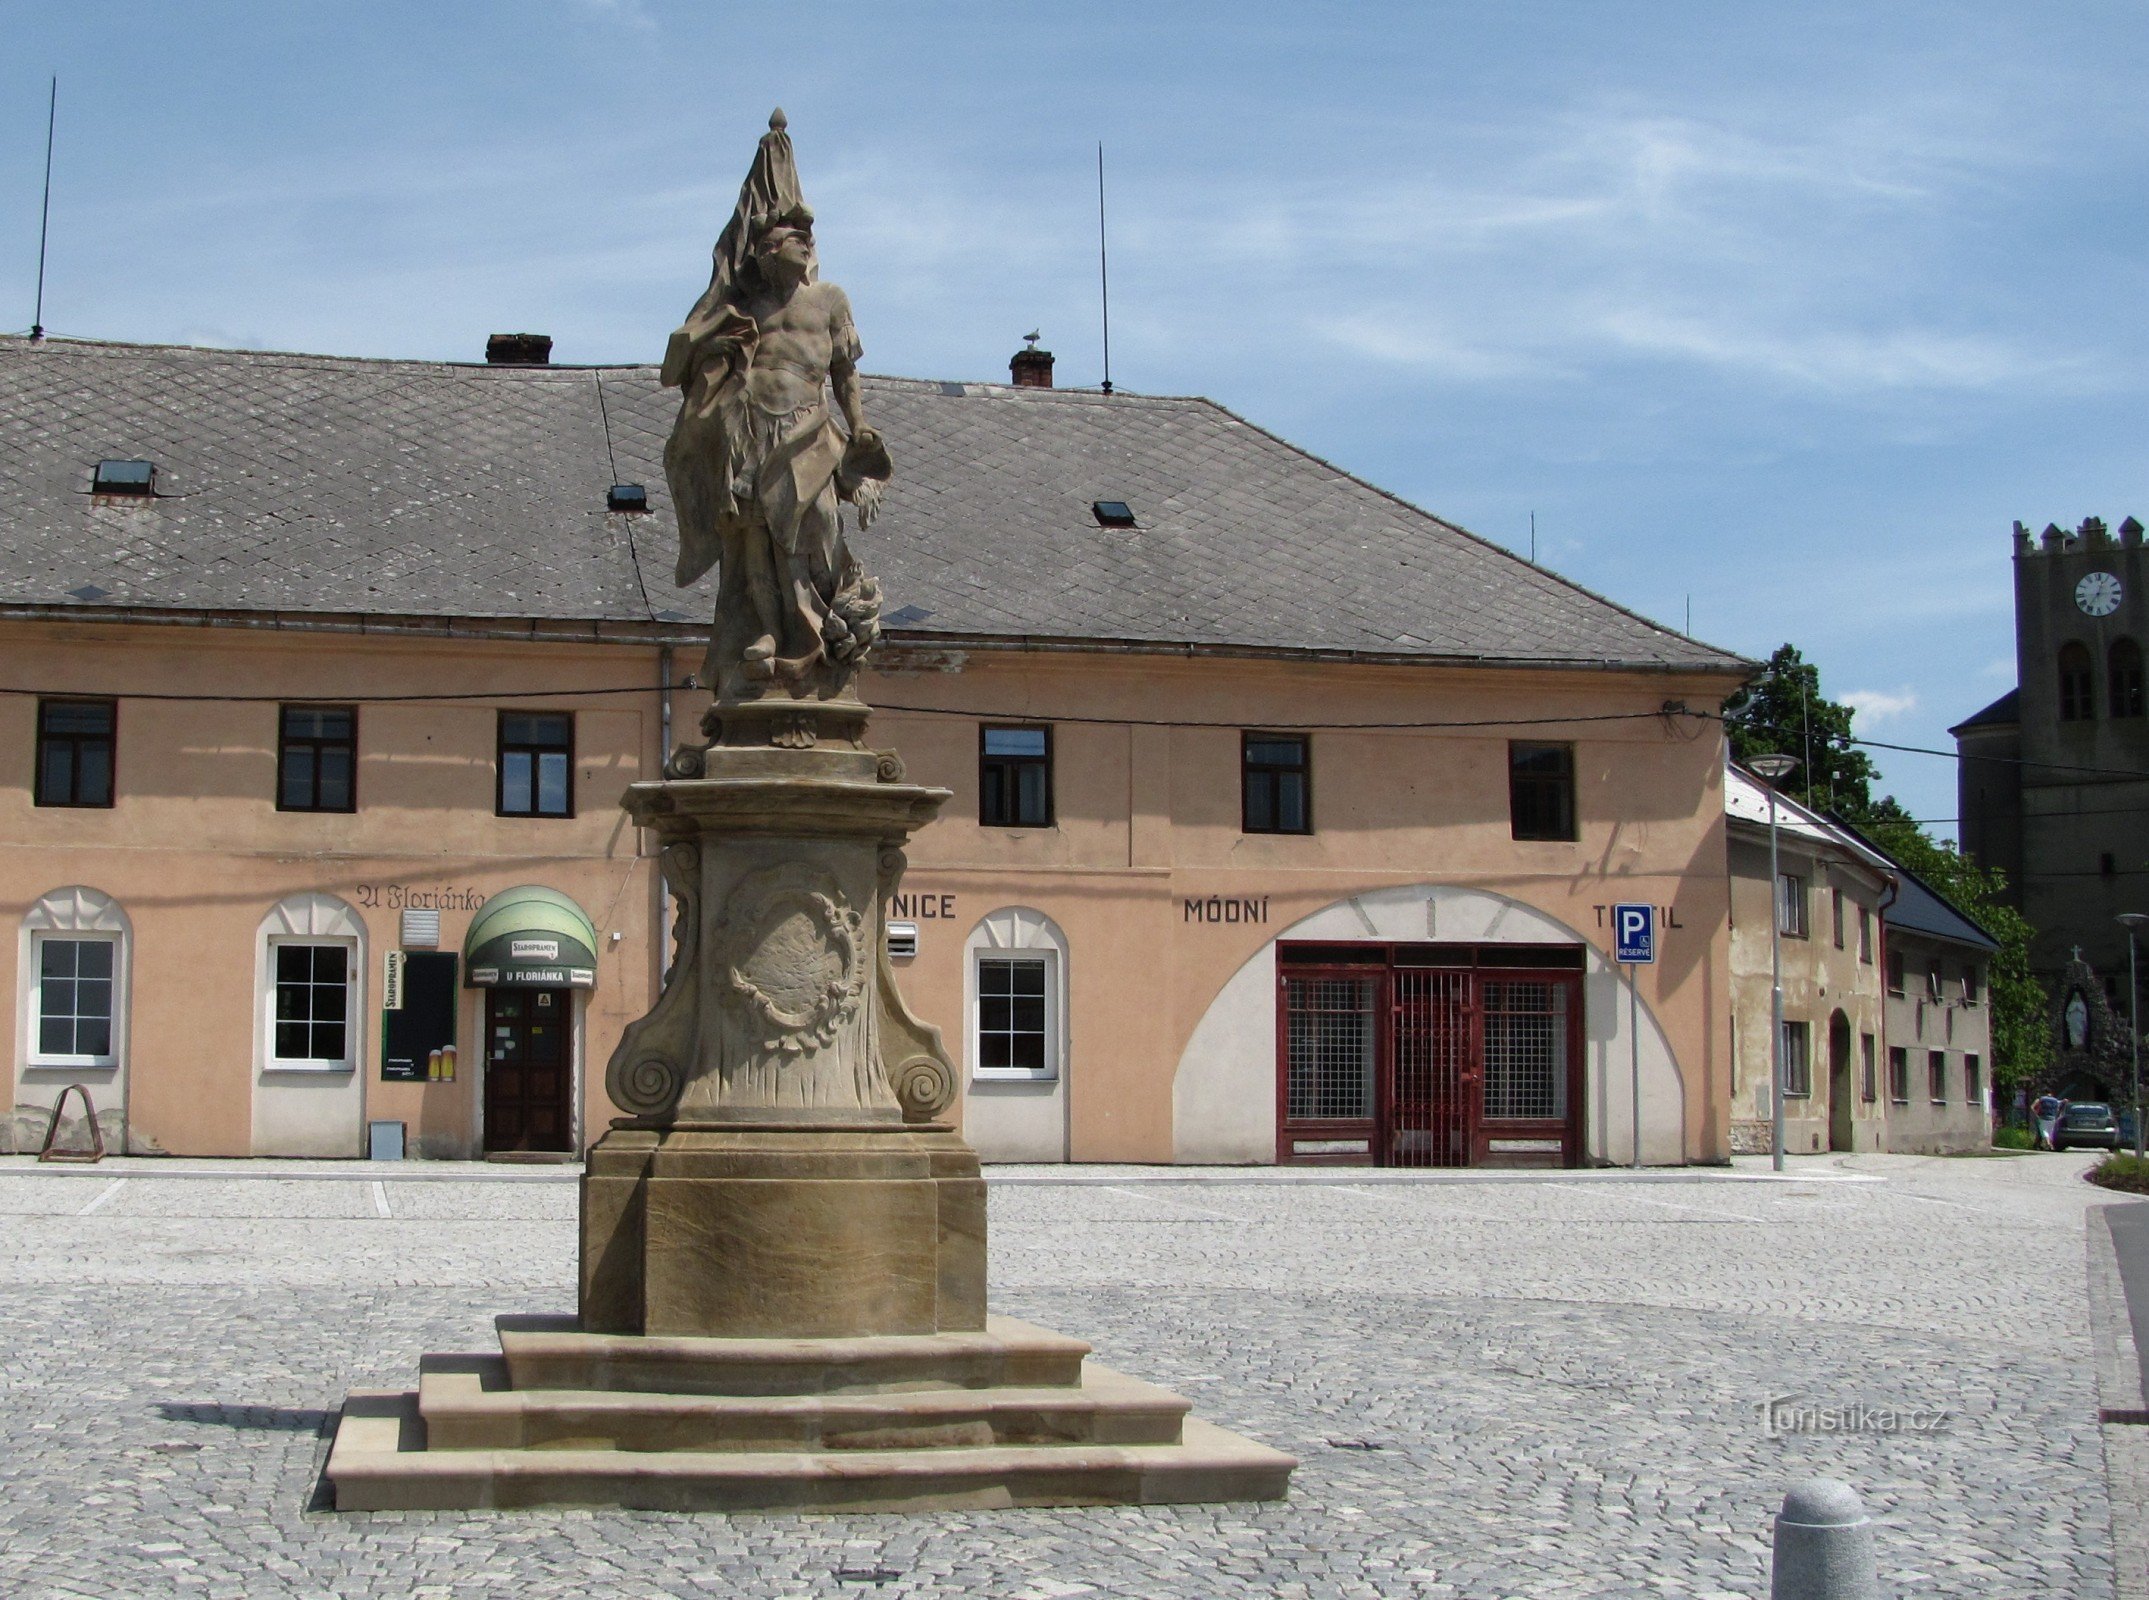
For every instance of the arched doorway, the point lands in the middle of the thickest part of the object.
(1231, 1095)
(1840, 1092)
(530, 950)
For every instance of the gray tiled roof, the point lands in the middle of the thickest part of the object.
(1923, 909)
(299, 483)
(1918, 906)
(2004, 712)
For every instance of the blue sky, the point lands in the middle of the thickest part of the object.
(1783, 312)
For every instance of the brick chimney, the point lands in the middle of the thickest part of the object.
(1030, 366)
(519, 350)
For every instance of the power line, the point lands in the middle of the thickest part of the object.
(2003, 761)
(1957, 755)
(337, 699)
(980, 713)
(1030, 714)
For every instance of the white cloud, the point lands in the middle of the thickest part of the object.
(1881, 705)
(1399, 338)
(1787, 253)
(630, 12)
(1841, 362)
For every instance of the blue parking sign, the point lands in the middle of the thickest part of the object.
(1634, 934)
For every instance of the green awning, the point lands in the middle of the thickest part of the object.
(533, 937)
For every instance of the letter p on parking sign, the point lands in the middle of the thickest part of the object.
(1634, 934)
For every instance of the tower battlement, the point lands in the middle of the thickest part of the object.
(2091, 535)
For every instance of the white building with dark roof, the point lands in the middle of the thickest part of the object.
(1286, 815)
(1886, 1038)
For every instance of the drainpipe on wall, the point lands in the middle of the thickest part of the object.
(1880, 941)
(664, 704)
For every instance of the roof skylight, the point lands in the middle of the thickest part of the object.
(124, 477)
(1112, 513)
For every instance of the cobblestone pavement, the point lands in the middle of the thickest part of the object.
(1534, 1389)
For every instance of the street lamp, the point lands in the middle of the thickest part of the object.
(2134, 922)
(1772, 770)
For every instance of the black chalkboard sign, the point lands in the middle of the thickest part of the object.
(412, 1035)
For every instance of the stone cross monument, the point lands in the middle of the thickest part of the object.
(782, 1300)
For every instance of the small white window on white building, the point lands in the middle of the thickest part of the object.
(310, 979)
(1018, 997)
(74, 1000)
(1012, 1035)
(74, 989)
(310, 1005)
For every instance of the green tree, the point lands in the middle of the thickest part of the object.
(1784, 711)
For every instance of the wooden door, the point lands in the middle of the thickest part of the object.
(1841, 1135)
(529, 1070)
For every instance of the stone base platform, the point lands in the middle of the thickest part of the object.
(1010, 1416)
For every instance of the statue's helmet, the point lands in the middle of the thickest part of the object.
(770, 229)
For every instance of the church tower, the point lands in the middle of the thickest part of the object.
(2053, 785)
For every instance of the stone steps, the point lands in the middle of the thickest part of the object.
(551, 1353)
(1005, 1416)
(377, 1466)
(468, 1405)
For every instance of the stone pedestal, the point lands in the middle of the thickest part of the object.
(783, 1232)
(782, 1301)
(783, 1173)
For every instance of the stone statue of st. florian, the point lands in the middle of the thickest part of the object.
(779, 1067)
(758, 468)
(783, 1243)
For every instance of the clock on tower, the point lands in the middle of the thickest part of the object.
(2098, 594)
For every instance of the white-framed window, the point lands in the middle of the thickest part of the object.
(309, 1024)
(309, 986)
(73, 985)
(1014, 1032)
(1017, 994)
(74, 995)
(1791, 905)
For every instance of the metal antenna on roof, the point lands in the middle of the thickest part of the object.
(52, 108)
(1104, 276)
(1533, 538)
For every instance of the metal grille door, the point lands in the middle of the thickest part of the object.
(1331, 1045)
(1331, 1022)
(1430, 1104)
(1429, 1056)
(1525, 1050)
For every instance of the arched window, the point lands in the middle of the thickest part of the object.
(74, 987)
(1017, 982)
(2126, 679)
(310, 959)
(2077, 673)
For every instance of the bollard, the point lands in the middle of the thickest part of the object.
(1824, 1545)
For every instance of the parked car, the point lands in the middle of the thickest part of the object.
(2087, 1124)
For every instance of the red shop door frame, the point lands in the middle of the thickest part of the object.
(1426, 1111)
